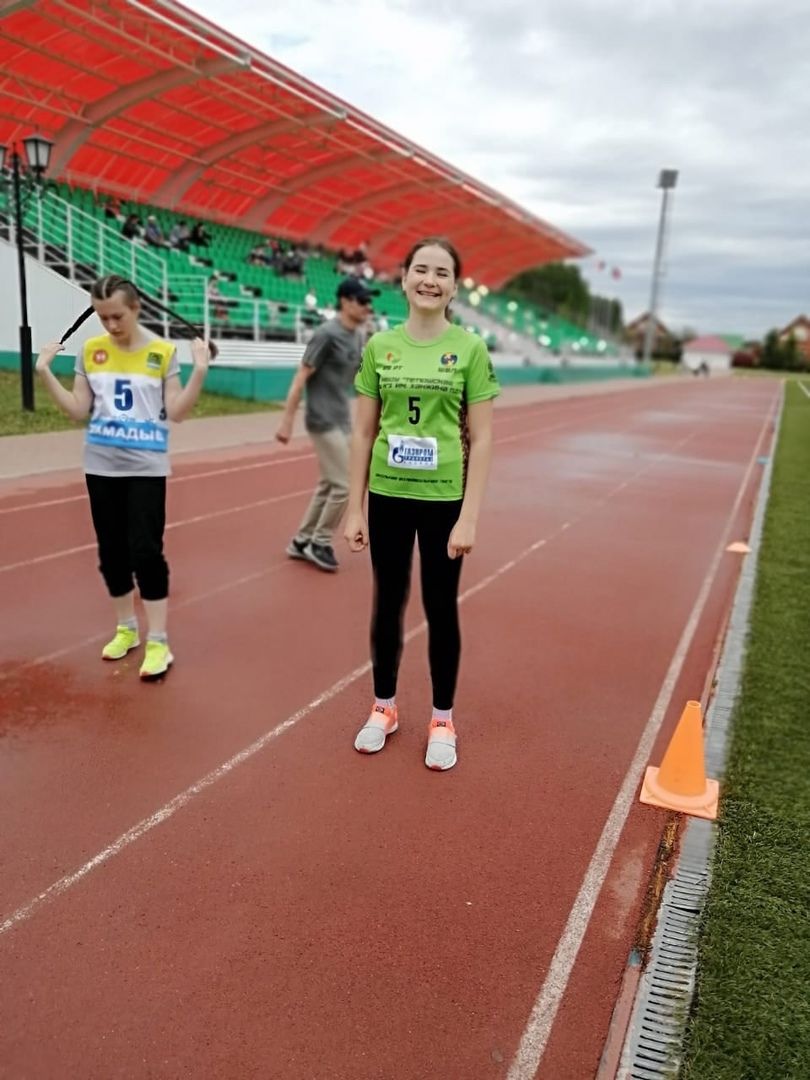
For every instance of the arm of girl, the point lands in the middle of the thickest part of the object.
(479, 421)
(366, 426)
(179, 399)
(76, 402)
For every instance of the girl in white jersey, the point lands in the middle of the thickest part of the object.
(421, 444)
(127, 382)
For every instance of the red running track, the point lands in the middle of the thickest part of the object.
(202, 879)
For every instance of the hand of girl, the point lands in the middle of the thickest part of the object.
(355, 532)
(462, 539)
(200, 354)
(47, 355)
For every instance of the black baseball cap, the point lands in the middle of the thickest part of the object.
(355, 289)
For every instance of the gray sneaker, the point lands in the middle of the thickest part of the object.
(297, 549)
(322, 555)
(441, 747)
(371, 737)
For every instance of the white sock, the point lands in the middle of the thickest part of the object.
(130, 624)
(162, 638)
(443, 714)
(384, 702)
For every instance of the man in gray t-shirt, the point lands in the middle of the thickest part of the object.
(328, 367)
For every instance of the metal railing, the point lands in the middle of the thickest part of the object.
(82, 248)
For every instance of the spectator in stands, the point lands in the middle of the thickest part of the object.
(328, 368)
(291, 264)
(421, 446)
(154, 233)
(132, 227)
(112, 208)
(180, 236)
(127, 381)
(262, 254)
(219, 304)
(199, 236)
(345, 262)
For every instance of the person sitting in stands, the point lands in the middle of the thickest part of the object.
(180, 235)
(132, 227)
(199, 237)
(154, 233)
(219, 304)
(112, 208)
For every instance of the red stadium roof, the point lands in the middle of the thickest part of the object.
(145, 99)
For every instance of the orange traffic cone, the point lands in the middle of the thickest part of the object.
(680, 783)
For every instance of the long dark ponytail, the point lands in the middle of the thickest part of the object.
(104, 288)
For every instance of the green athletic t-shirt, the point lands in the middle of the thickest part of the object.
(424, 388)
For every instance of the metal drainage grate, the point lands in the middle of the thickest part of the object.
(666, 987)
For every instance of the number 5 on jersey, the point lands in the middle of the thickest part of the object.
(123, 394)
(414, 412)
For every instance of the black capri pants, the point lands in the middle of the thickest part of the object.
(129, 516)
(393, 524)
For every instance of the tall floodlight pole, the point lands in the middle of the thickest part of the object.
(666, 181)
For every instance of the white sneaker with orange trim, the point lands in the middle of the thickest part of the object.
(441, 746)
(381, 723)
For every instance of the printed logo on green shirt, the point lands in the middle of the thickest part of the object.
(449, 359)
(154, 360)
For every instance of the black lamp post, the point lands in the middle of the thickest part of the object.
(37, 154)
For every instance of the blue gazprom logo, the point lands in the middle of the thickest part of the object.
(412, 455)
(129, 434)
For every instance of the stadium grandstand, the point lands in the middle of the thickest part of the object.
(240, 193)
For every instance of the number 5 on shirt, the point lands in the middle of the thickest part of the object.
(414, 412)
(123, 394)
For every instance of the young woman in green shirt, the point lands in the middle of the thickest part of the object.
(421, 445)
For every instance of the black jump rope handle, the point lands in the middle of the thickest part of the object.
(85, 315)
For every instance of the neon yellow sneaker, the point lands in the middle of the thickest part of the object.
(124, 641)
(157, 660)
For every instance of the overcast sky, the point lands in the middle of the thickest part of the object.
(571, 107)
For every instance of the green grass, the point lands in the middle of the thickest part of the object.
(751, 1017)
(770, 373)
(13, 421)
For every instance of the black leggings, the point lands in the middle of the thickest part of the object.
(392, 525)
(129, 515)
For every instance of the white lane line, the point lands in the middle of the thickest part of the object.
(523, 410)
(211, 778)
(172, 525)
(64, 552)
(179, 801)
(804, 389)
(173, 481)
(544, 1011)
(177, 605)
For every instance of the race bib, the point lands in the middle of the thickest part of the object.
(411, 452)
(129, 434)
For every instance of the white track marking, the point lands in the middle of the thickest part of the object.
(544, 1011)
(179, 801)
(173, 525)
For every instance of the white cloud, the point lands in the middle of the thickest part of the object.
(572, 109)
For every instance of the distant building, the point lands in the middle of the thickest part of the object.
(712, 352)
(635, 331)
(799, 329)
